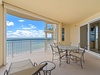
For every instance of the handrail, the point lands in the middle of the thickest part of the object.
(17, 46)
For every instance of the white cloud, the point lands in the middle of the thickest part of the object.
(10, 23)
(26, 33)
(49, 35)
(10, 31)
(32, 26)
(21, 20)
(26, 28)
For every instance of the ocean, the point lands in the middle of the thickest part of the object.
(22, 45)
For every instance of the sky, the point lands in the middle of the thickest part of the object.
(17, 27)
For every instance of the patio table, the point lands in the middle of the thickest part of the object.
(67, 49)
(49, 67)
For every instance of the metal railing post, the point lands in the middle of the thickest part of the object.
(12, 49)
(30, 46)
(45, 45)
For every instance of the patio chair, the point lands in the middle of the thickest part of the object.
(78, 50)
(61, 54)
(54, 51)
(58, 52)
(78, 56)
(25, 67)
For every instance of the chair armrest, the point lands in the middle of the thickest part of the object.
(35, 64)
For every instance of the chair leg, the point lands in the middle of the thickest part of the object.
(45, 72)
(49, 72)
(75, 58)
(39, 73)
(68, 59)
(81, 63)
(83, 59)
(52, 57)
(59, 62)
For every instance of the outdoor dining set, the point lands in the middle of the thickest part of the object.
(69, 52)
(27, 67)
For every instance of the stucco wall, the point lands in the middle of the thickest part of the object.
(75, 28)
(66, 34)
(2, 35)
(1, 12)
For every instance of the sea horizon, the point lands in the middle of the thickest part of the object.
(15, 39)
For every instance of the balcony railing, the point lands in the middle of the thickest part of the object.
(18, 46)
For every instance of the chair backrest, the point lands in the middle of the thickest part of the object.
(84, 51)
(54, 48)
(59, 51)
(57, 44)
(77, 51)
(78, 45)
(51, 47)
(20, 65)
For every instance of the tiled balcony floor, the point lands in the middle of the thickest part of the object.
(91, 65)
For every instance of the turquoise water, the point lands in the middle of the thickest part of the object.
(21, 45)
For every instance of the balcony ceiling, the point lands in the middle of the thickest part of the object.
(66, 11)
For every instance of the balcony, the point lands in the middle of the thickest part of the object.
(91, 65)
(49, 29)
(29, 49)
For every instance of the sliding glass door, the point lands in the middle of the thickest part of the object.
(83, 36)
(95, 36)
(90, 35)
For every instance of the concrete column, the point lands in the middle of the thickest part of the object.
(88, 37)
(45, 47)
(2, 35)
(59, 32)
(55, 32)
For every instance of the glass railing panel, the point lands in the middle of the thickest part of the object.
(19, 46)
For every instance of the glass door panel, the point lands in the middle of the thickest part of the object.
(95, 36)
(83, 36)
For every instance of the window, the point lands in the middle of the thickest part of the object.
(63, 31)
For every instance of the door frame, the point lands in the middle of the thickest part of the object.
(88, 42)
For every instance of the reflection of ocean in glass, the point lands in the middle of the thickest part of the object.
(16, 46)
